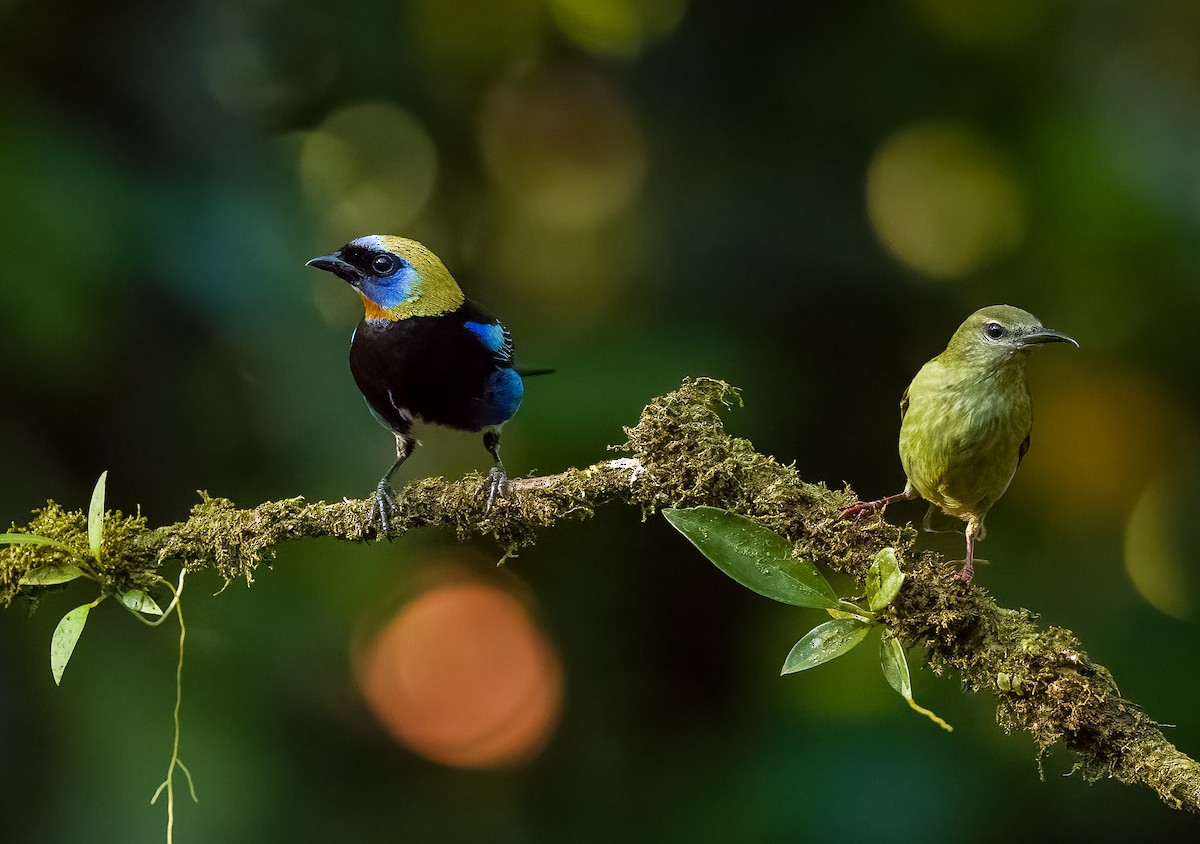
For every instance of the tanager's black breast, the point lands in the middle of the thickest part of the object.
(436, 368)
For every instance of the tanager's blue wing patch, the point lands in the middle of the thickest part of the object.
(495, 337)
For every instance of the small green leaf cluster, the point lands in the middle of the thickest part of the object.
(762, 560)
(89, 565)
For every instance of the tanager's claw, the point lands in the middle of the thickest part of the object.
(497, 483)
(383, 505)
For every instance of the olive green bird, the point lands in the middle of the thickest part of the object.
(965, 420)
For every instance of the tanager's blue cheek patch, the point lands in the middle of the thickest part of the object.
(393, 291)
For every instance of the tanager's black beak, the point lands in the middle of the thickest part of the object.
(334, 264)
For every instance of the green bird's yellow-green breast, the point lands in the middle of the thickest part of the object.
(964, 432)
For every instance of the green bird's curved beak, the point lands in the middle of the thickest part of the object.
(1045, 335)
(334, 264)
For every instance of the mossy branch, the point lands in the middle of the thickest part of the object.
(679, 455)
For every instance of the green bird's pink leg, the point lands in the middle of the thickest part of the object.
(968, 569)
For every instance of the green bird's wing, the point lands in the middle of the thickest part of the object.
(1024, 448)
(904, 410)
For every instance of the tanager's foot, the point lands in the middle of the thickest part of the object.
(383, 505)
(497, 485)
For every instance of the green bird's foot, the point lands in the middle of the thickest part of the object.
(974, 531)
(968, 570)
(870, 508)
(383, 506)
(497, 483)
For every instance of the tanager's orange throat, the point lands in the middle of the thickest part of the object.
(373, 311)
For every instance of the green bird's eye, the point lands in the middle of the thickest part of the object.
(384, 265)
(994, 330)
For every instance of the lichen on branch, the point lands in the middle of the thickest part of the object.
(679, 455)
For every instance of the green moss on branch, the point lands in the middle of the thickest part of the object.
(679, 455)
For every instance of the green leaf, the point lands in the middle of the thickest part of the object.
(825, 642)
(95, 521)
(754, 556)
(138, 601)
(895, 670)
(62, 644)
(883, 579)
(895, 666)
(51, 575)
(34, 539)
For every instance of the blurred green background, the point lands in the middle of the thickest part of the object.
(802, 199)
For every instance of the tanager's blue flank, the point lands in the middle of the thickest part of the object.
(965, 419)
(424, 352)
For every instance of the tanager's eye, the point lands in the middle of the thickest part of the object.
(994, 330)
(384, 265)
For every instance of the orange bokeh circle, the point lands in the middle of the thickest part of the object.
(463, 676)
